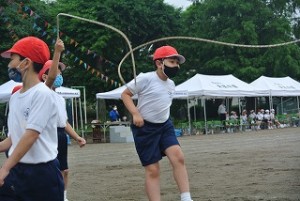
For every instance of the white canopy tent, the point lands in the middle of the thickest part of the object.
(7, 87)
(6, 90)
(217, 86)
(213, 86)
(278, 86)
(68, 92)
(202, 86)
(113, 94)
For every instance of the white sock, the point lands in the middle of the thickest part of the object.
(65, 195)
(186, 196)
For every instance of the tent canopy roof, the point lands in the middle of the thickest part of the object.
(278, 86)
(217, 86)
(7, 87)
(6, 90)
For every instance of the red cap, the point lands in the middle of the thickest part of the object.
(30, 47)
(166, 52)
(47, 65)
(16, 88)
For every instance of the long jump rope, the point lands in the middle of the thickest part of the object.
(131, 50)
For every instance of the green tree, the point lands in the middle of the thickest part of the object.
(141, 21)
(242, 22)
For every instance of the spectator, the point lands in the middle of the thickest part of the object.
(259, 118)
(222, 114)
(274, 119)
(222, 111)
(233, 115)
(244, 119)
(252, 119)
(114, 114)
(267, 120)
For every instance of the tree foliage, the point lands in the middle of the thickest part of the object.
(242, 22)
(235, 21)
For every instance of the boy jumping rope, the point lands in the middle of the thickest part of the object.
(152, 129)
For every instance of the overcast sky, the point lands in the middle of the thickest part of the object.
(179, 3)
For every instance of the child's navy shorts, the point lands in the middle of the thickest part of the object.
(34, 182)
(152, 139)
(62, 149)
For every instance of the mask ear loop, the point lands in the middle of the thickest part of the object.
(18, 67)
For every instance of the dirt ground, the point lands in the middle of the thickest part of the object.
(262, 166)
(249, 166)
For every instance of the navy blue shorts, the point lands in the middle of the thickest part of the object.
(33, 182)
(62, 149)
(152, 139)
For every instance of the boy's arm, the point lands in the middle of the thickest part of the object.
(59, 47)
(128, 102)
(25, 143)
(81, 141)
(5, 144)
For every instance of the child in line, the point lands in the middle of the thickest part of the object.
(31, 172)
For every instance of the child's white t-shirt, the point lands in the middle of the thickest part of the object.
(62, 113)
(34, 109)
(154, 96)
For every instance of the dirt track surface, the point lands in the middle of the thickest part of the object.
(249, 166)
(245, 166)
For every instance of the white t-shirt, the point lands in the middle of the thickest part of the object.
(154, 96)
(34, 109)
(221, 109)
(62, 113)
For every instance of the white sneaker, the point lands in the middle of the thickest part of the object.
(66, 199)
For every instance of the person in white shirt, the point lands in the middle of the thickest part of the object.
(267, 119)
(153, 131)
(222, 114)
(31, 172)
(252, 119)
(51, 75)
(260, 118)
(274, 120)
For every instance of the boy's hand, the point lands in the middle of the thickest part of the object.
(59, 45)
(81, 141)
(138, 120)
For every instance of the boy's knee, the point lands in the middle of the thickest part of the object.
(152, 171)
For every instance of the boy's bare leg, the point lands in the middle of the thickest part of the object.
(152, 183)
(180, 174)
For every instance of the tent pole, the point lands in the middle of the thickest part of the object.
(298, 103)
(189, 117)
(81, 120)
(205, 121)
(84, 102)
(270, 101)
(255, 109)
(281, 105)
(239, 101)
(6, 109)
(76, 113)
(97, 109)
(73, 121)
(240, 115)
(195, 111)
